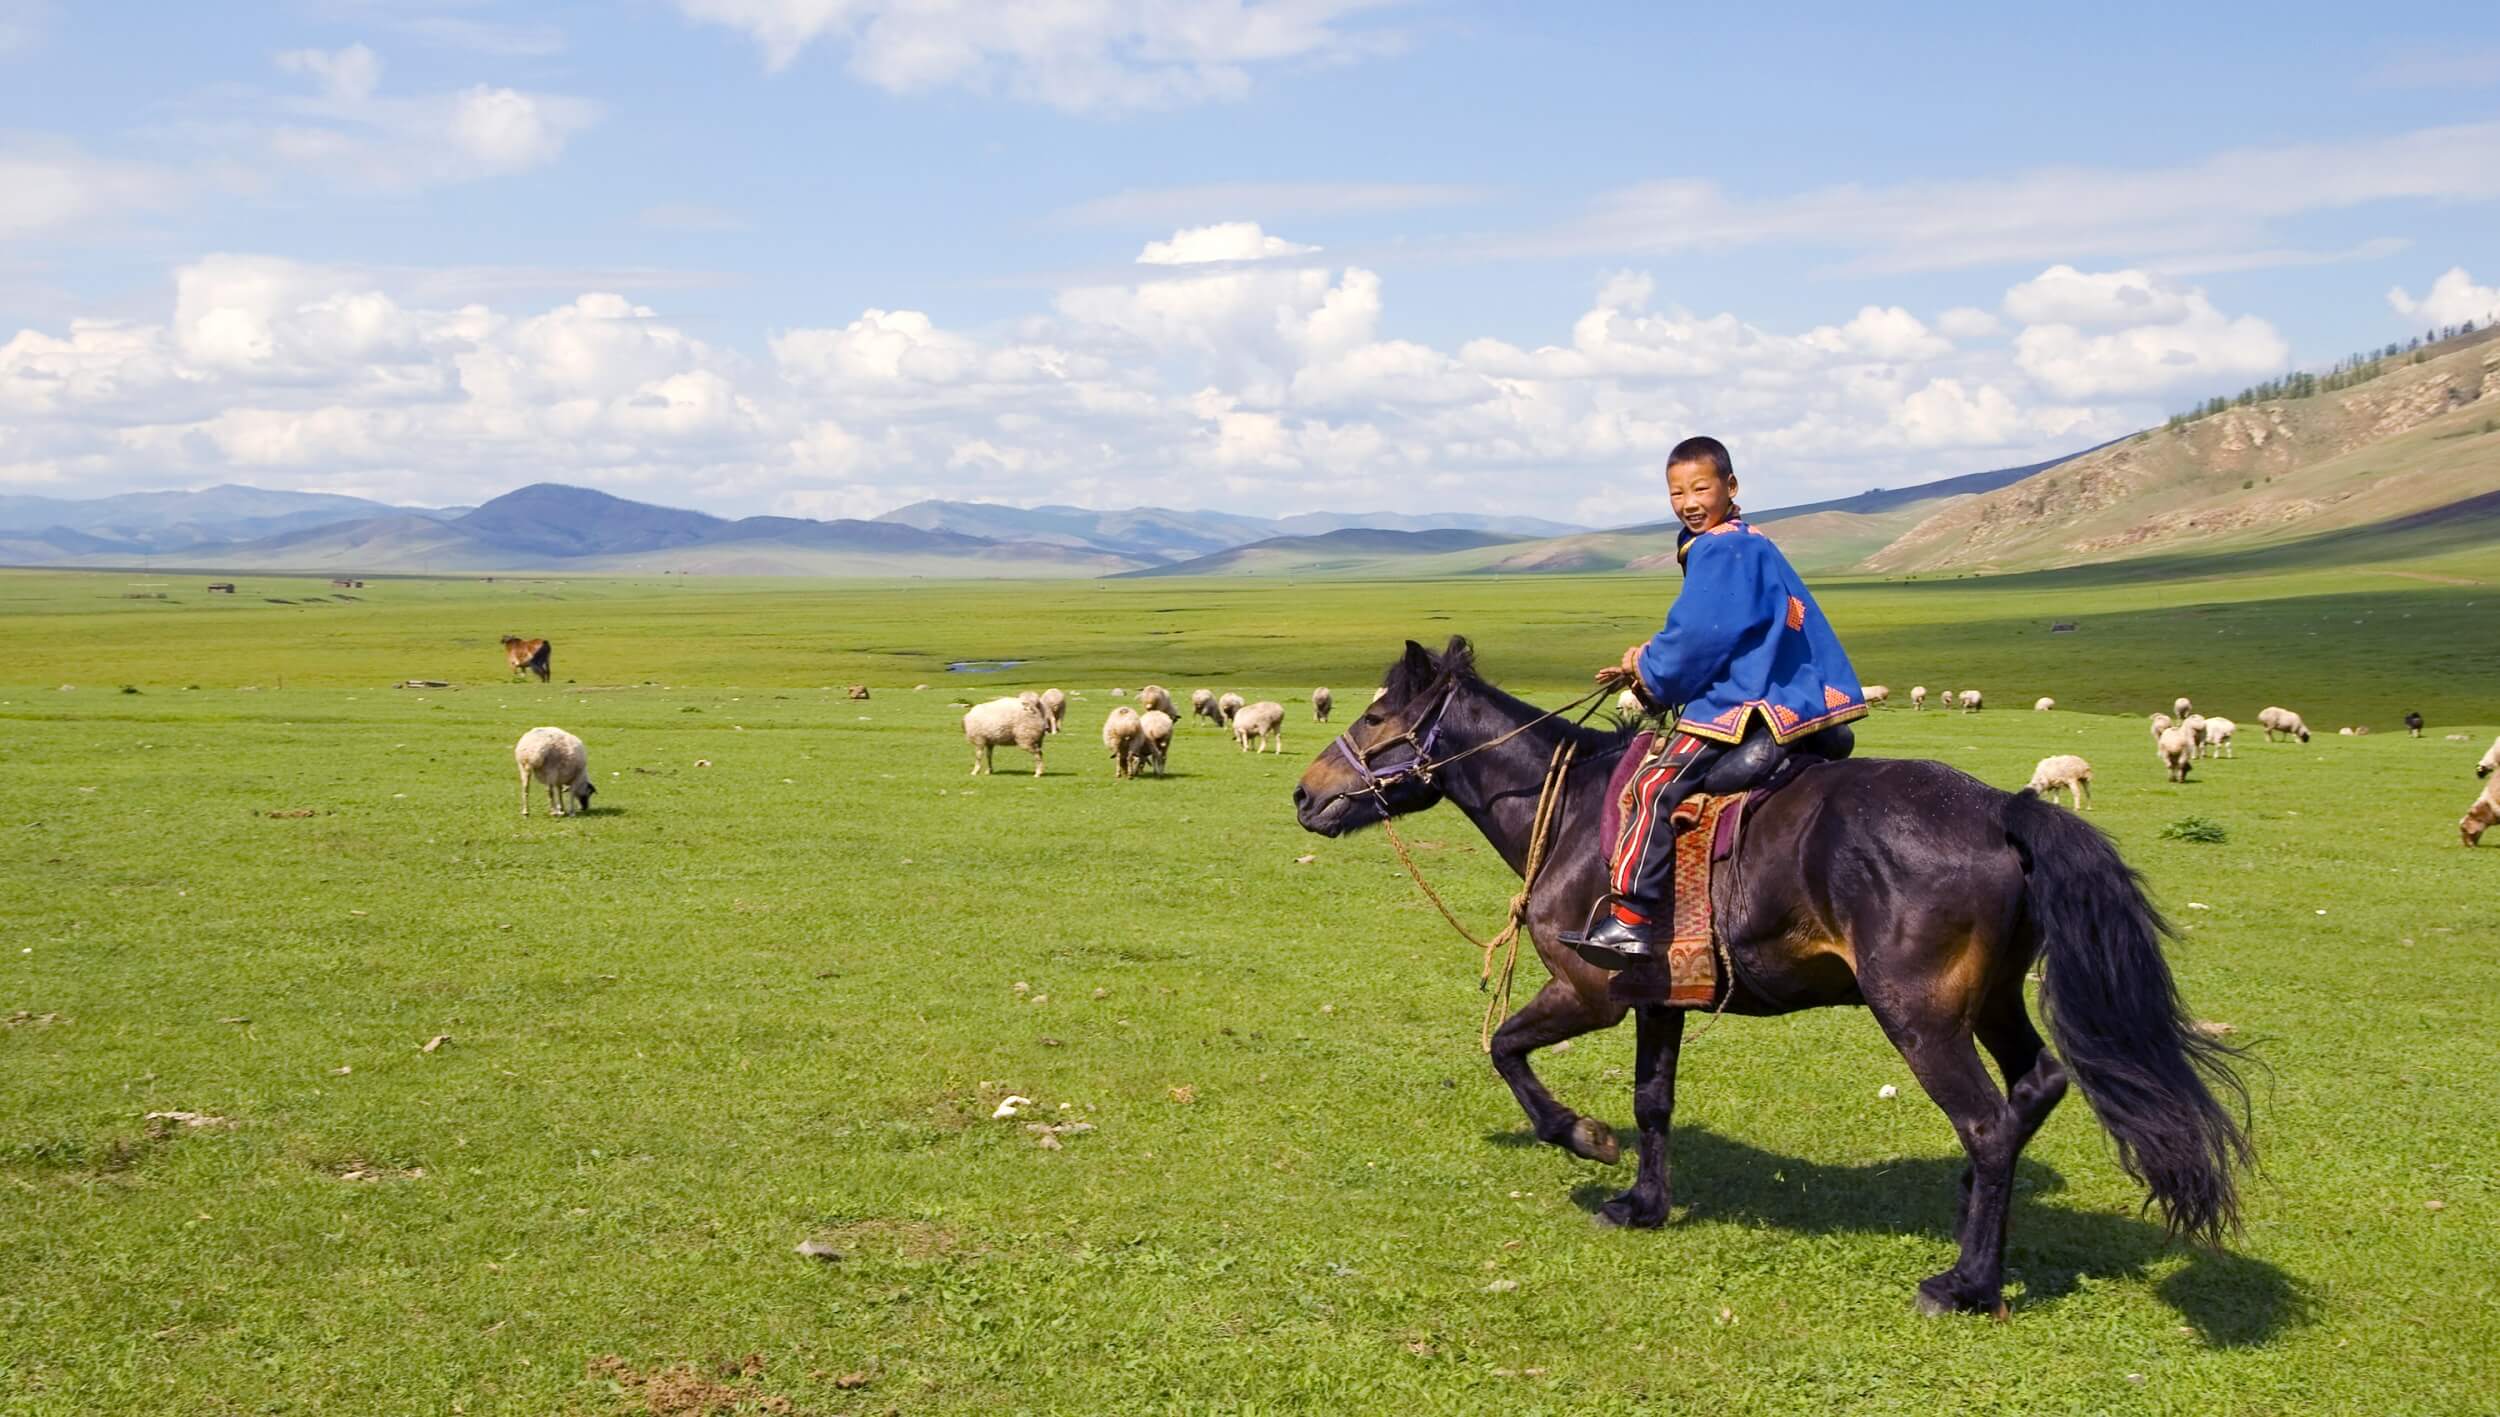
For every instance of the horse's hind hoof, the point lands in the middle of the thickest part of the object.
(1626, 1212)
(1937, 1298)
(1594, 1140)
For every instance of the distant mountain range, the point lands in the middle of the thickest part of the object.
(552, 526)
(2409, 458)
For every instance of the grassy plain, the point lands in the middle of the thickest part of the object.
(779, 997)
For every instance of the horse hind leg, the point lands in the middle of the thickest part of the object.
(1652, 1195)
(1558, 1011)
(1938, 1047)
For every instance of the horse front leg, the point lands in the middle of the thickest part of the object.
(1558, 1011)
(1660, 1043)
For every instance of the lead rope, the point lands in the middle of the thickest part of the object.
(1548, 803)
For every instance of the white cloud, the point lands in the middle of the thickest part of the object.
(2066, 296)
(54, 186)
(2453, 299)
(347, 75)
(1967, 322)
(2220, 203)
(1267, 385)
(2202, 349)
(507, 131)
(1227, 241)
(1078, 55)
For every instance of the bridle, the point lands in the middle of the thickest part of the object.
(1421, 765)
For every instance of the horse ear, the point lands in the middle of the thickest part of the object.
(1419, 662)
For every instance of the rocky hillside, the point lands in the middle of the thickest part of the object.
(2405, 444)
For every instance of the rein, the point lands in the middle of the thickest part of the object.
(1548, 808)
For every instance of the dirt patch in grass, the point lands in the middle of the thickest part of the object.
(687, 1389)
(894, 1239)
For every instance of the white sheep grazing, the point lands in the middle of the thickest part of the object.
(2284, 721)
(1227, 706)
(1877, 694)
(1154, 728)
(2182, 708)
(2491, 761)
(1321, 702)
(1970, 701)
(2043, 704)
(1918, 697)
(1155, 696)
(1001, 721)
(1947, 700)
(2178, 751)
(2218, 733)
(1125, 735)
(1629, 702)
(2161, 725)
(2067, 771)
(1202, 705)
(2483, 813)
(2195, 725)
(1054, 708)
(1264, 721)
(557, 759)
(1032, 699)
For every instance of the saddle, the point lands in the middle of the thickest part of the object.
(1707, 828)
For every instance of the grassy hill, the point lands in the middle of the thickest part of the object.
(2414, 448)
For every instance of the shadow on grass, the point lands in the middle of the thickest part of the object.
(2231, 1300)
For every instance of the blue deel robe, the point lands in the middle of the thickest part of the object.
(1744, 638)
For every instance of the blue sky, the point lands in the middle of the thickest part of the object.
(829, 256)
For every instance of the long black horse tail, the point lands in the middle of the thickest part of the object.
(2114, 1013)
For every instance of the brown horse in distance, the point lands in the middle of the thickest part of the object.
(536, 656)
(1907, 887)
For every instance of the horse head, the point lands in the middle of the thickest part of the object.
(1380, 767)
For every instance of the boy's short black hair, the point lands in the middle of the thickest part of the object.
(1709, 450)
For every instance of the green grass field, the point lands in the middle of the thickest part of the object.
(778, 998)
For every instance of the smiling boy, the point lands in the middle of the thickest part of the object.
(1754, 672)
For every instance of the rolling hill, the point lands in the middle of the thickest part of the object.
(1368, 550)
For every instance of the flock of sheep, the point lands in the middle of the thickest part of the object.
(1138, 737)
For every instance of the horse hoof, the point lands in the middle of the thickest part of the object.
(1937, 1297)
(1626, 1212)
(1595, 1140)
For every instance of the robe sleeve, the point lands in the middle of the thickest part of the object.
(1722, 601)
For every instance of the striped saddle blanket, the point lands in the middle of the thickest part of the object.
(1706, 831)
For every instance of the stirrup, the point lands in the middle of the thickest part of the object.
(1611, 942)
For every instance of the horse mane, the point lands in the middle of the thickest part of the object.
(1409, 680)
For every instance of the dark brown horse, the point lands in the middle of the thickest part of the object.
(1906, 886)
(536, 656)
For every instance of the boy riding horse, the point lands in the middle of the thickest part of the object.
(1755, 675)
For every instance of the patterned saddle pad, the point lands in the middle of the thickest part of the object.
(1706, 834)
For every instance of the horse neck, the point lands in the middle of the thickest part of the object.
(1498, 788)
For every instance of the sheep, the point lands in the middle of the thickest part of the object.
(2413, 723)
(2284, 721)
(999, 721)
(1321, 702)
(2161, 725)
(1155, 738)
(2043, 704)
(2483, 813)
(1155, 696)
(1264, 721)
(2195, 725)
(1054, 708)
(1918, 697)
(2354, 730)
(1032, 699)
(2218, 733)
(2182, 708)
(1970, 701)
(1629, 702)
(2178, 751)
(1877, 694)
(557, 759)
(2491, 761)
(2067, 771)
(1124, 734)
(1231, 704)
(1202, 705)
